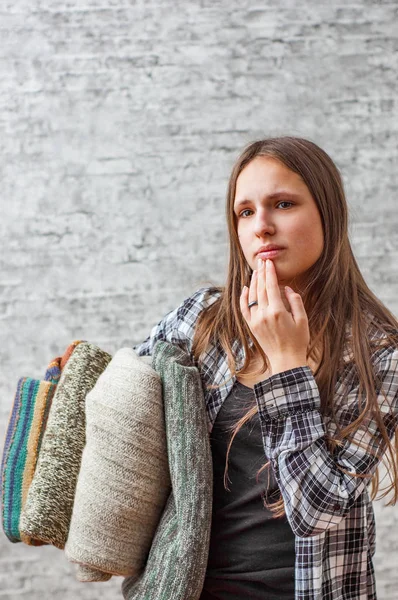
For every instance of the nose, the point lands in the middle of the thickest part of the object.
(263, 223)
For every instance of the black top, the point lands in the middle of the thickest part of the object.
(251, 555)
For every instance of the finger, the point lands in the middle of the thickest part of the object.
(244, 304)
(253, 287)
(262, 297)
(272, 286)
(296, 304)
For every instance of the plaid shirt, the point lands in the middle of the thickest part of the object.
(330, 512)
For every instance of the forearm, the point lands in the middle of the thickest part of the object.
(317, 492)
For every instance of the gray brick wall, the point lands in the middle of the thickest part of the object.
(119, 124)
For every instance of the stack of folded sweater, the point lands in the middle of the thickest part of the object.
(120, 473)
(26, 428)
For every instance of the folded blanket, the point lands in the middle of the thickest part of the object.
(124, 479)
(23, 440)
(49, 502)
(177, 561)
(87, 574)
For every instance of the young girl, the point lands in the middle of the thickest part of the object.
(299, 363)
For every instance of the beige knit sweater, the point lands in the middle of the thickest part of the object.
(124, 476)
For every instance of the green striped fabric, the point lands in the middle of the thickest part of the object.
(16, 456)
(176, 564)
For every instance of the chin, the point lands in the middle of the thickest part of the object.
(286, 278)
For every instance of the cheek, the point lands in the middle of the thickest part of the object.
(315, 235)
(307, 236)
(244, 243)
(242, 236)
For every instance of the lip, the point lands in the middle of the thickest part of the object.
(269, 251)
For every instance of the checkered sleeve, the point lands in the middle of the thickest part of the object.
(315, 482)
(178, 326)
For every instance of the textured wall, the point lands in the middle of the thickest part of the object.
(119, 124)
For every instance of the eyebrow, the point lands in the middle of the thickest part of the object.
(275, 196)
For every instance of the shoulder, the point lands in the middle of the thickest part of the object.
(184, 318)
(178, 325)
(382, 344)
(193, 305)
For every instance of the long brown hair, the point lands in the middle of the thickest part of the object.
(335, 295)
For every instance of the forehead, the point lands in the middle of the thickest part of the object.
(267, 176)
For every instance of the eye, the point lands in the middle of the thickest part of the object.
(249, 210)
(244, 211)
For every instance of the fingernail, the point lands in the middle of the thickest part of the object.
(259, 262)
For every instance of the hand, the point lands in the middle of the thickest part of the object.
(283, 336)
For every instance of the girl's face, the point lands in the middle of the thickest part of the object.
(274, 206)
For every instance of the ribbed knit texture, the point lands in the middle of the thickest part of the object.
(87, 574)
(31, 403)
(124, 479)
(23, 440)
(46, 515)
(176, 565)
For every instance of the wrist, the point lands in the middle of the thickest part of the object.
(288, 363)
